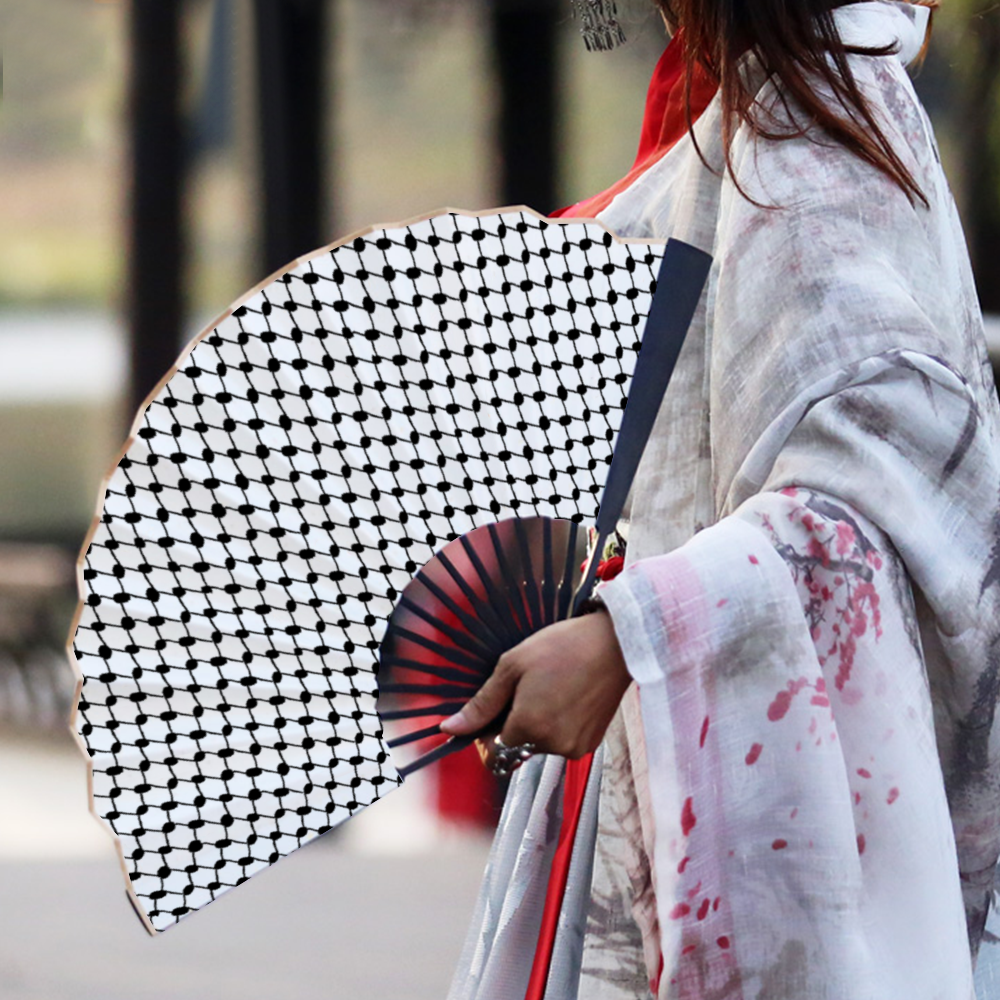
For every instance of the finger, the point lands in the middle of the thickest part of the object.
(491, 699)
(486, 747)
(520, 727)
(520, 734)
(488, 752)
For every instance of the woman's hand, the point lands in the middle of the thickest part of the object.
(564, 682)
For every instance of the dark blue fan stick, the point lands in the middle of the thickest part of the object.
(683, 272)
(514, 561)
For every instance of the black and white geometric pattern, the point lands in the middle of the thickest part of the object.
(309, 455)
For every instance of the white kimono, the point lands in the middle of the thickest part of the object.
(800, 796)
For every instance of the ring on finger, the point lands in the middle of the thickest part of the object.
(510, 758)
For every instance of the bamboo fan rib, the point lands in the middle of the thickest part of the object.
(478, 597)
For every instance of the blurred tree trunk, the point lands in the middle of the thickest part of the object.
(981, 155)
(291, 75)
(524, 41)
(155, 307)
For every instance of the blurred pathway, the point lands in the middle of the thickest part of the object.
(376, 910)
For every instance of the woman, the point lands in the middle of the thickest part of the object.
(798, 796)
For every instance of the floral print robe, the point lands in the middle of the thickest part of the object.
(799, 798)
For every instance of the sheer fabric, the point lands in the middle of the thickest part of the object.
(799, 797)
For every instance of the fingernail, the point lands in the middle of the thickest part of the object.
(453, 721)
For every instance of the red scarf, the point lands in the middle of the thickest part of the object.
(662, 126)
(664, 123)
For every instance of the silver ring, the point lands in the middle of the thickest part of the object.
(509, 759)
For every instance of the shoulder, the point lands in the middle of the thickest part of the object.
(813, 168)
(810, 174)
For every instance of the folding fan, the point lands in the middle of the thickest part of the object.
(479, 596)
(308, 455)
(492, 587)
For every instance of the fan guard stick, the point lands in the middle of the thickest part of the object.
(679, 284)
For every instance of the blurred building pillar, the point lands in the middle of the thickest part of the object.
(213, 121)
(981, 159)
(291, 78)
(524, 41)
(156, 246)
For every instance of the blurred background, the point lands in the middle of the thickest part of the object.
(157, 160)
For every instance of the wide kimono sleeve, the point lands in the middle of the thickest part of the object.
(803, 843)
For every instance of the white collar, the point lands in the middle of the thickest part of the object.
(881, 22)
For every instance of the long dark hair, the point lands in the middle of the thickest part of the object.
(798, 44)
